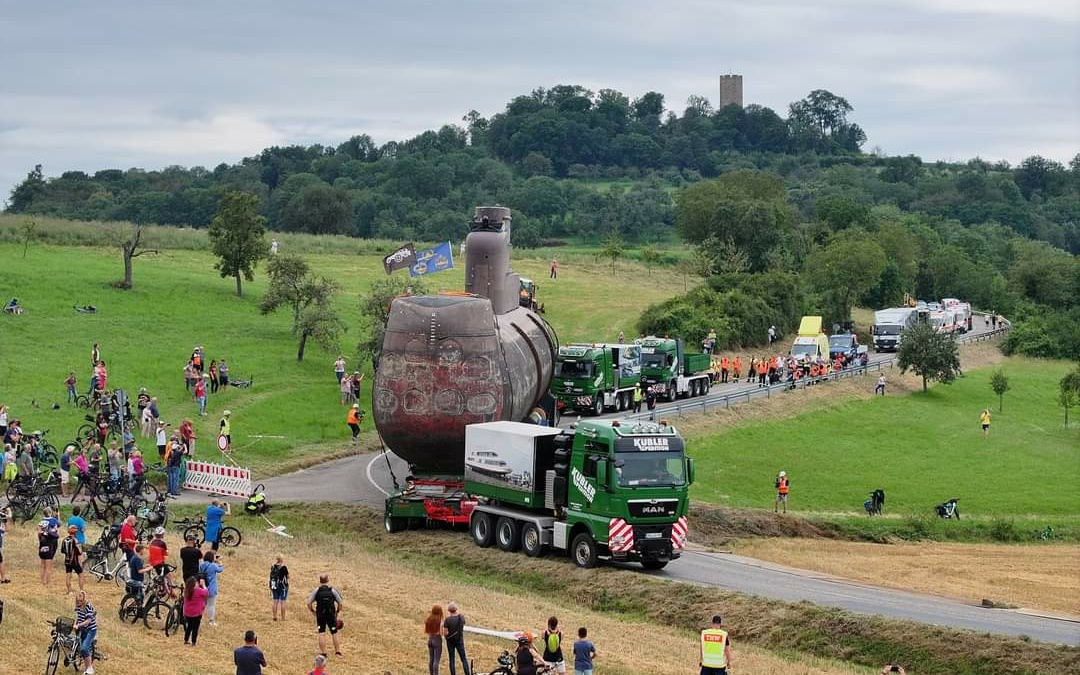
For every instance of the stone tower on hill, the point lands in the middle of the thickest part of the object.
(730, 90)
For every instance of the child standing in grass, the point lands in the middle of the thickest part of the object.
(584, 653)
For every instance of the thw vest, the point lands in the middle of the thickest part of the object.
(713, 641)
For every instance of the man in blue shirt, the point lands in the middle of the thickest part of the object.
(249, 659)
(584, 653)
(76, 521)
(214, 515)
(137, 568)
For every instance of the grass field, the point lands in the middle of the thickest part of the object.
(921, 449)
(179, 301)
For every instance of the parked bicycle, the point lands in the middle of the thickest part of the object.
(105, 569)
(65, 643)
(230, 536)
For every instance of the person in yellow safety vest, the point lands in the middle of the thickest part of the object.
(639, 396)
(225, 428)
(715, 649)
(782, 487)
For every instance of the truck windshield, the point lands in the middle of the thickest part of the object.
(887, 329)
(843, 341)
(574, 369)
(653, 360)
(650, 469)
(804, 350)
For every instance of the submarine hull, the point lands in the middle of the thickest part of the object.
(450, 360)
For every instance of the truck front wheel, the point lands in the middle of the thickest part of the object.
(583, 550)
(673, 391)
(481, 529)
(532, 542)
(394, 524)
(598, 407)
(507, 534)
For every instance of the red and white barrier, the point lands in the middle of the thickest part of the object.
(218, 479)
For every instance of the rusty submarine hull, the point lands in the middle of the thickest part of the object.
(458, 358)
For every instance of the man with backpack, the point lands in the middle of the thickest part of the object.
(72, 552)
(325, 603)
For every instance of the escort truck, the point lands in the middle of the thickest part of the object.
(672, 372)
(596, 377)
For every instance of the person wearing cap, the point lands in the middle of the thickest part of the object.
(159, 554)
(320, 666)
(353, 419)
(73, 556)
(782, 488)
(715, 649)
(190, 556)
(526, 659)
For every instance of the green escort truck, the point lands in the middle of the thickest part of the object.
(672, 372)
(596, 377)
(606, 489)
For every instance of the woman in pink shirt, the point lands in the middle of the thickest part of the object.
(195, 594)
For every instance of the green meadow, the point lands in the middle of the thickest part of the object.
(179, 301)
(921, 449)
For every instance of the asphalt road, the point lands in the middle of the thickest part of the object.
(366, 479)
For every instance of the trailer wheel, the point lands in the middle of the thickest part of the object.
(598, 407)
(531, 541)
(706, 385)
(654, 564)
(481, 529)
(583, 550)
(392, 524)
(507, 534)
(694, 391)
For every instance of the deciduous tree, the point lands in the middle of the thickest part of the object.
(130, 240)
(237, 237)
(849, 266)
(613, 249)
(999, 382)
(309, 297)
(1069, 393)
(929, 354)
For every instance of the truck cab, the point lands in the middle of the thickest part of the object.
(607, 489)
(846, 344)
(593, 377)
(671, 371)
(811, 343)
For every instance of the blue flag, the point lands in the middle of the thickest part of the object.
(433, 260)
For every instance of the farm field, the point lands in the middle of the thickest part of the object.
(1036, 577)
(920, 448)
(292, 413)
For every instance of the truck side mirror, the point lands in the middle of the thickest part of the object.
(690, 470)
(602, 474)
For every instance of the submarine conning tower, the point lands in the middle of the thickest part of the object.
(487, 259)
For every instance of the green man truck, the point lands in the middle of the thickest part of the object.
(602, 490)
(596, 377)
(672, 372)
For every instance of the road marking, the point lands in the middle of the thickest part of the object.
(371, 479)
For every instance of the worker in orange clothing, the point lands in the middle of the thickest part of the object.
(762, 371)
(725, 366)
(782, 488)
(736, 368)
(353, 419)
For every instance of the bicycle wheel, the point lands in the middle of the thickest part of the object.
(196, 531)
(24, 511)
(148, 492)
(129, 609)
(230, 536)
(174, 622)
(54, 502)
(54, 659)
(82, 401)
(121, 575)
(76, 658)
(155, 615)
(48, 453)
(85, 431)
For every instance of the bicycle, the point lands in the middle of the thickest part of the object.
(229, 536)
(152, 607)
(65, 642)
(105, 570)
(176, 619)
(44, 451)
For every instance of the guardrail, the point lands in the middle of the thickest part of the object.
(693, 406)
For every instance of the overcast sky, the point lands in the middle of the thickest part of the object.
(106, 84)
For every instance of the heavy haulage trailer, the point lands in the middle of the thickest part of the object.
(605, 489)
